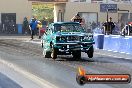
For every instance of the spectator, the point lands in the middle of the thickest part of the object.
(127, 30)
(25, 26)
(44, 23)
(94, 25)
(33, 26)
(39, 26)
(109, 26)
(76, 18)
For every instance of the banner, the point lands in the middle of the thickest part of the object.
(108, 8)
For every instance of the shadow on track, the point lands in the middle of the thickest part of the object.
(71, 59)
(102, 59)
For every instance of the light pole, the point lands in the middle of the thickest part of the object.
(108, 17)
(107, 21)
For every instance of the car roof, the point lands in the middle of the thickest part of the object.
(60, 23)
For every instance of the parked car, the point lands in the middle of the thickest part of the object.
(67, 38)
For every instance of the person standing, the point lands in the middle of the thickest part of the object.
(127, 30)
(39, 26)
(33, 26)
(44, 23)
(25, 26)
(109, 26)
(93, 25)
(77, 18)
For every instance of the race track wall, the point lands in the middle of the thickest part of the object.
(114, 43)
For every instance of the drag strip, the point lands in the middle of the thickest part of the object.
(62, 71)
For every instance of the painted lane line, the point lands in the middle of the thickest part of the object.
(30, 76)
(35, 42)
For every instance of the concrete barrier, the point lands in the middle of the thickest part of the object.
(123, 45)
(126, 45)
(130, 46)
(99, 40)
(106, 42)
(114, 43)
(95, 40)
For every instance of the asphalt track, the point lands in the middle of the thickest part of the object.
(26, 56)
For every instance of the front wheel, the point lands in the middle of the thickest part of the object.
(90, 52)
(54, 53)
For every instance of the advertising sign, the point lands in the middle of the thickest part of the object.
(108, 7)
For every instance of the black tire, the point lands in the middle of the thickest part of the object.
(90, 52)
(47, 54)
(76, 54)
(54, 53)
(42, 45)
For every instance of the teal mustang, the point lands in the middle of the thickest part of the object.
(67, 38)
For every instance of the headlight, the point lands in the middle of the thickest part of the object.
(86, 38)
(90, 37)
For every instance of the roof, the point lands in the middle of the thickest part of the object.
(60, 23)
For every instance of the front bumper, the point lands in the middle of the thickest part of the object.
(70, 46)
(75, 43)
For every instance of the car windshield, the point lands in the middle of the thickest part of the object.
(68, 28)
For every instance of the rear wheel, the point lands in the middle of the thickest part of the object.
(54, 53)
(90, 52)
(77, 54)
